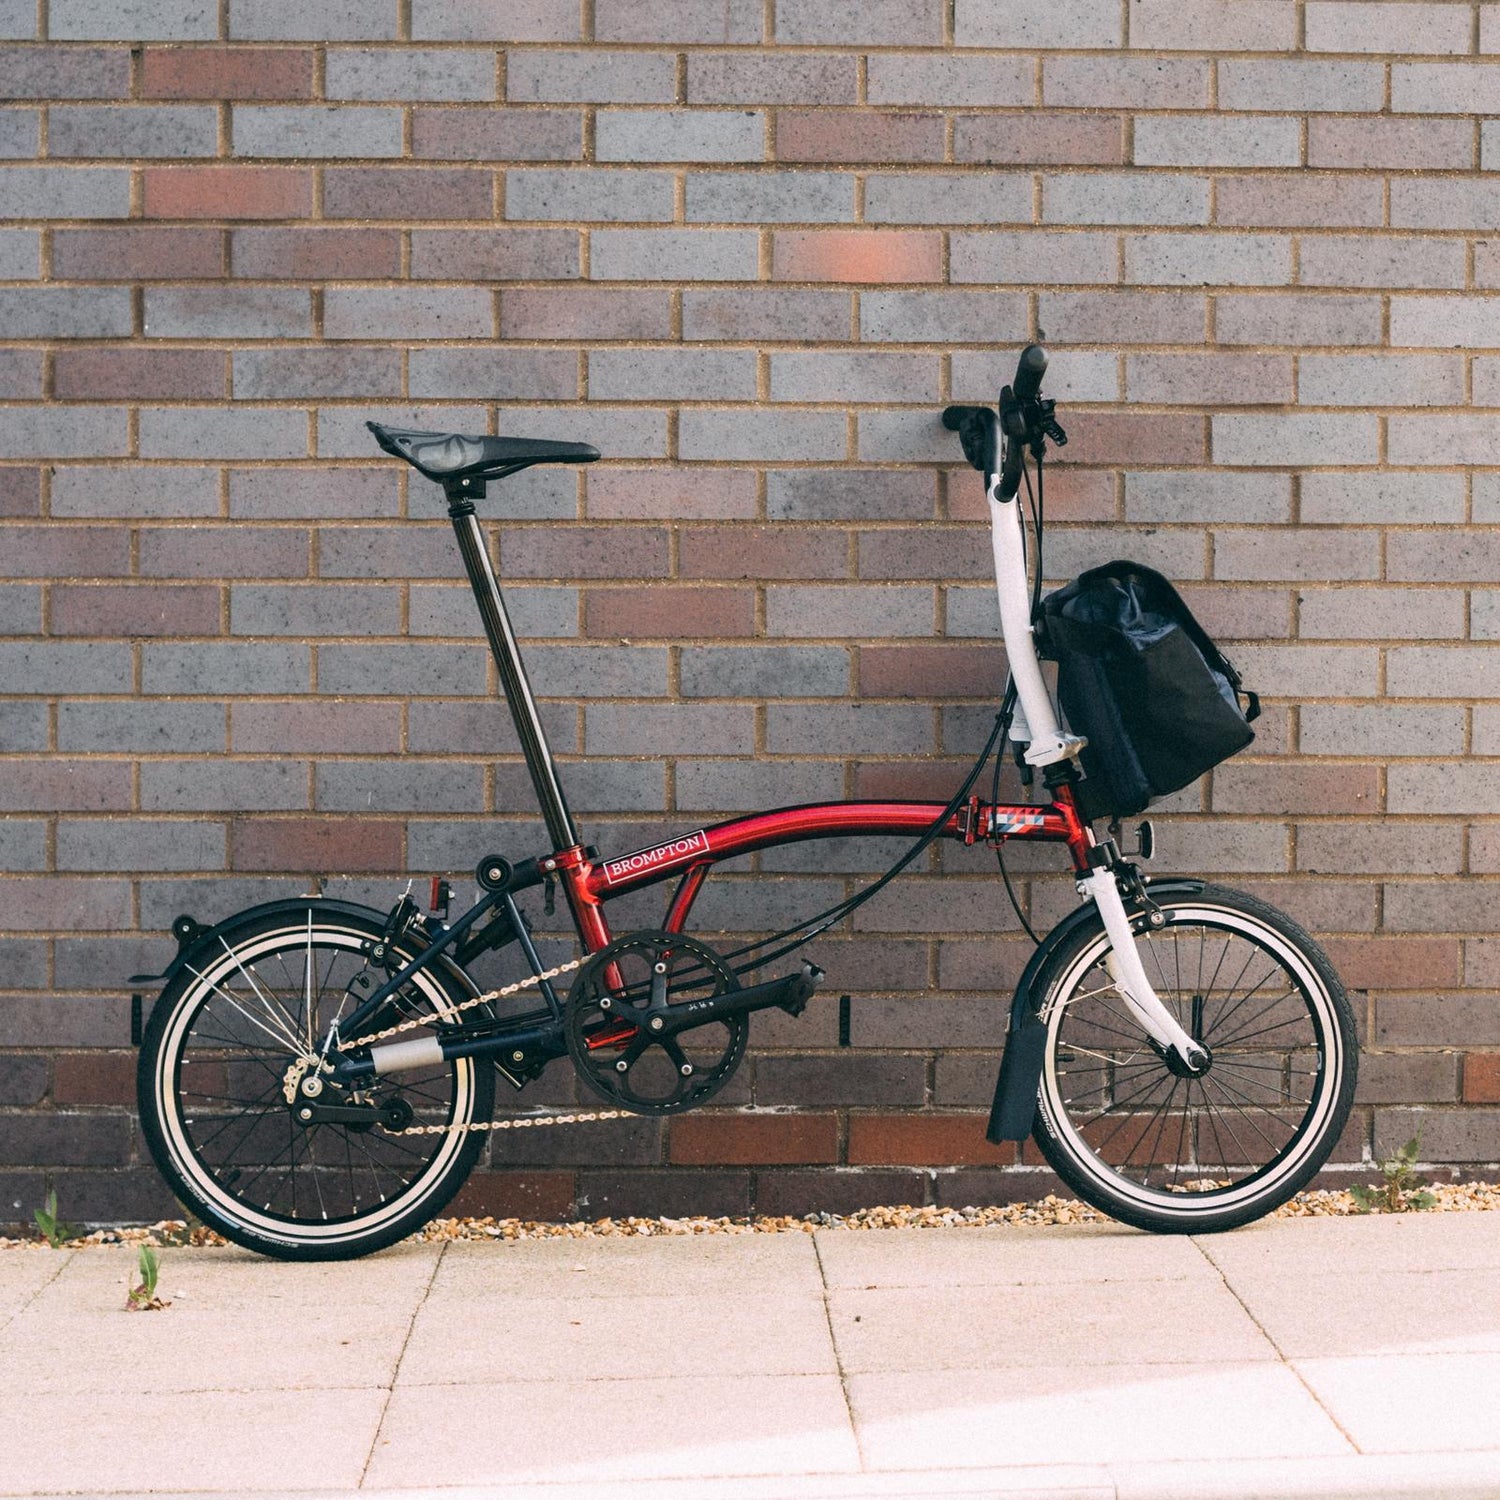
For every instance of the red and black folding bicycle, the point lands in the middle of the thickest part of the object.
(316, 1076)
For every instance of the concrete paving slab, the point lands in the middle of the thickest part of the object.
(458, 1339)
(1407, 1476)
(23, 1275)
(1080, 1323)
(1294, 1248)
(1084, 1416)
(1403, 1312)
(638, 1428)
(637, 1266)
(1004, 1255)
(1434, 1402)
(131, 1439)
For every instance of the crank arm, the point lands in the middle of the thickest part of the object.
(311, 1112)
(790, 993)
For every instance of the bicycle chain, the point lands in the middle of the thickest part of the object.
(527, 1123)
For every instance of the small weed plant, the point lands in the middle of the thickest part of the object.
(53, 1229)
(1404, 1189)
(142, 1297)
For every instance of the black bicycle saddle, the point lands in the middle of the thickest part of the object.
(442, 456)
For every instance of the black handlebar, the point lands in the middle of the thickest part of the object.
(981, 430)
(1030, 368)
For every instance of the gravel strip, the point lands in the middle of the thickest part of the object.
(1452, 1198)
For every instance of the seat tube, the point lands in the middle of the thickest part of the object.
(507, 654)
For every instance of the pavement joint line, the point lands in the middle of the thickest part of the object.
(61, 1267)
(390, 1389)
(838, 1358)
(1265, 1333)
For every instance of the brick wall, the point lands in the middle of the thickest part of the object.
(748, 249)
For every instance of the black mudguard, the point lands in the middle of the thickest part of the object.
(1013, 1114)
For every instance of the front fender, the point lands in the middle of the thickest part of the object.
(1013, 1113)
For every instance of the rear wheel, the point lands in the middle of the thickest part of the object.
(1130, 1132)
(213, 1074)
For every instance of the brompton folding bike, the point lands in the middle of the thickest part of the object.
(316, 1076)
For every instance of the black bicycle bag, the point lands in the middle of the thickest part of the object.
(1144, 683)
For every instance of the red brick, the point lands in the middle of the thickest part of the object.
(227, 73)
(1037, 138)
(584, 552)
(408, 193)
(1394, 963)
(1482, 1078)
(799, 1193)
(923, 1141)
(1130, 438)
(228, 192)
(304, 844)
(931, 671)
(94, 1078)
(759, 552)
(20, 492)
(670, 494)
(666, 612)
(858, 135)
(754, 1140)
(130, 609)
(145, 254)
(938, 552)
(874, 255)
(169, 374)
(585, 312)
(1283, 789)
(317, 727)
(544, 1196)
(373, 254)
(923, 780)
(1072, 494)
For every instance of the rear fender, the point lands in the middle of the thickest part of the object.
(1013, 1113)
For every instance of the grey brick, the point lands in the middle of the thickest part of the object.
(213, 668)
(262, 374)
(1443, 672)
(191, 432)
(17, 19)
(408, 312)
(1380, 380)
(1383, 614)
(1214, 25)
(309, 610)
(598, 671)
(849, 610)
(140, 725)
(880, 23)
(1121, 317)
(590, 76)
(1199, 497)
(849, 494)
(672, 374)
(223, 786)
(1068, 23)
(1033, 257)
(744, 786)
(1426, 788)
(1380, 261)
(1311, 671)
(849, 729)
(63, 666)
(1339, 499)
(688, 728)
(66, 72)
(679, 135)
(20, 609)
(1072, 374)
(444, 610)
(1178, 554)
(1458, 439)
(927, 78)
(865, 376)
(65, 312)
(711, 21)
(133, 844)
(948, 198)
(1217, 141)
(1395, 729)
(1442, 203)
(24, 725)
(213, 899)
(20, 254)
(1125, 198)
(54, 432)
(326, 21)
(761, 436)
(495, 20)
(613, 786)
(763, 315)
(237, 312)
(20, 133)
(961, 317)
(764, 672)
(494, 374)
(398, 786)
(1208, 259)
(133, 21)
(1125, 81)
(482, 727)
(1264, 83)
(780, 197)
(20, 374)
(770, 78)
(334, 494)
(427, 671)
(309, 130)
(411, 73)
(147, 130)
(1219, 378)
(1451, 555)
(136, 491)
(1445, 88)
(675, 254)
(1415, 26)
(23, 845)
(1297, 319)
(903, 437)
(1489, 146)
(592, 194)
(1446, 322)
(1295, 439)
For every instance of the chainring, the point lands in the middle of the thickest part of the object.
(607, 1024)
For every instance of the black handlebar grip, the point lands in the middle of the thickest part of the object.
(955, 416)
(1029, 371)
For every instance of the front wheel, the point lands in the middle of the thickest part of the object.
(1125, 1126)
(213, 1079)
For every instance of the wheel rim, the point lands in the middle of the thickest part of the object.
(1195, 1146)
(226, 1122)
